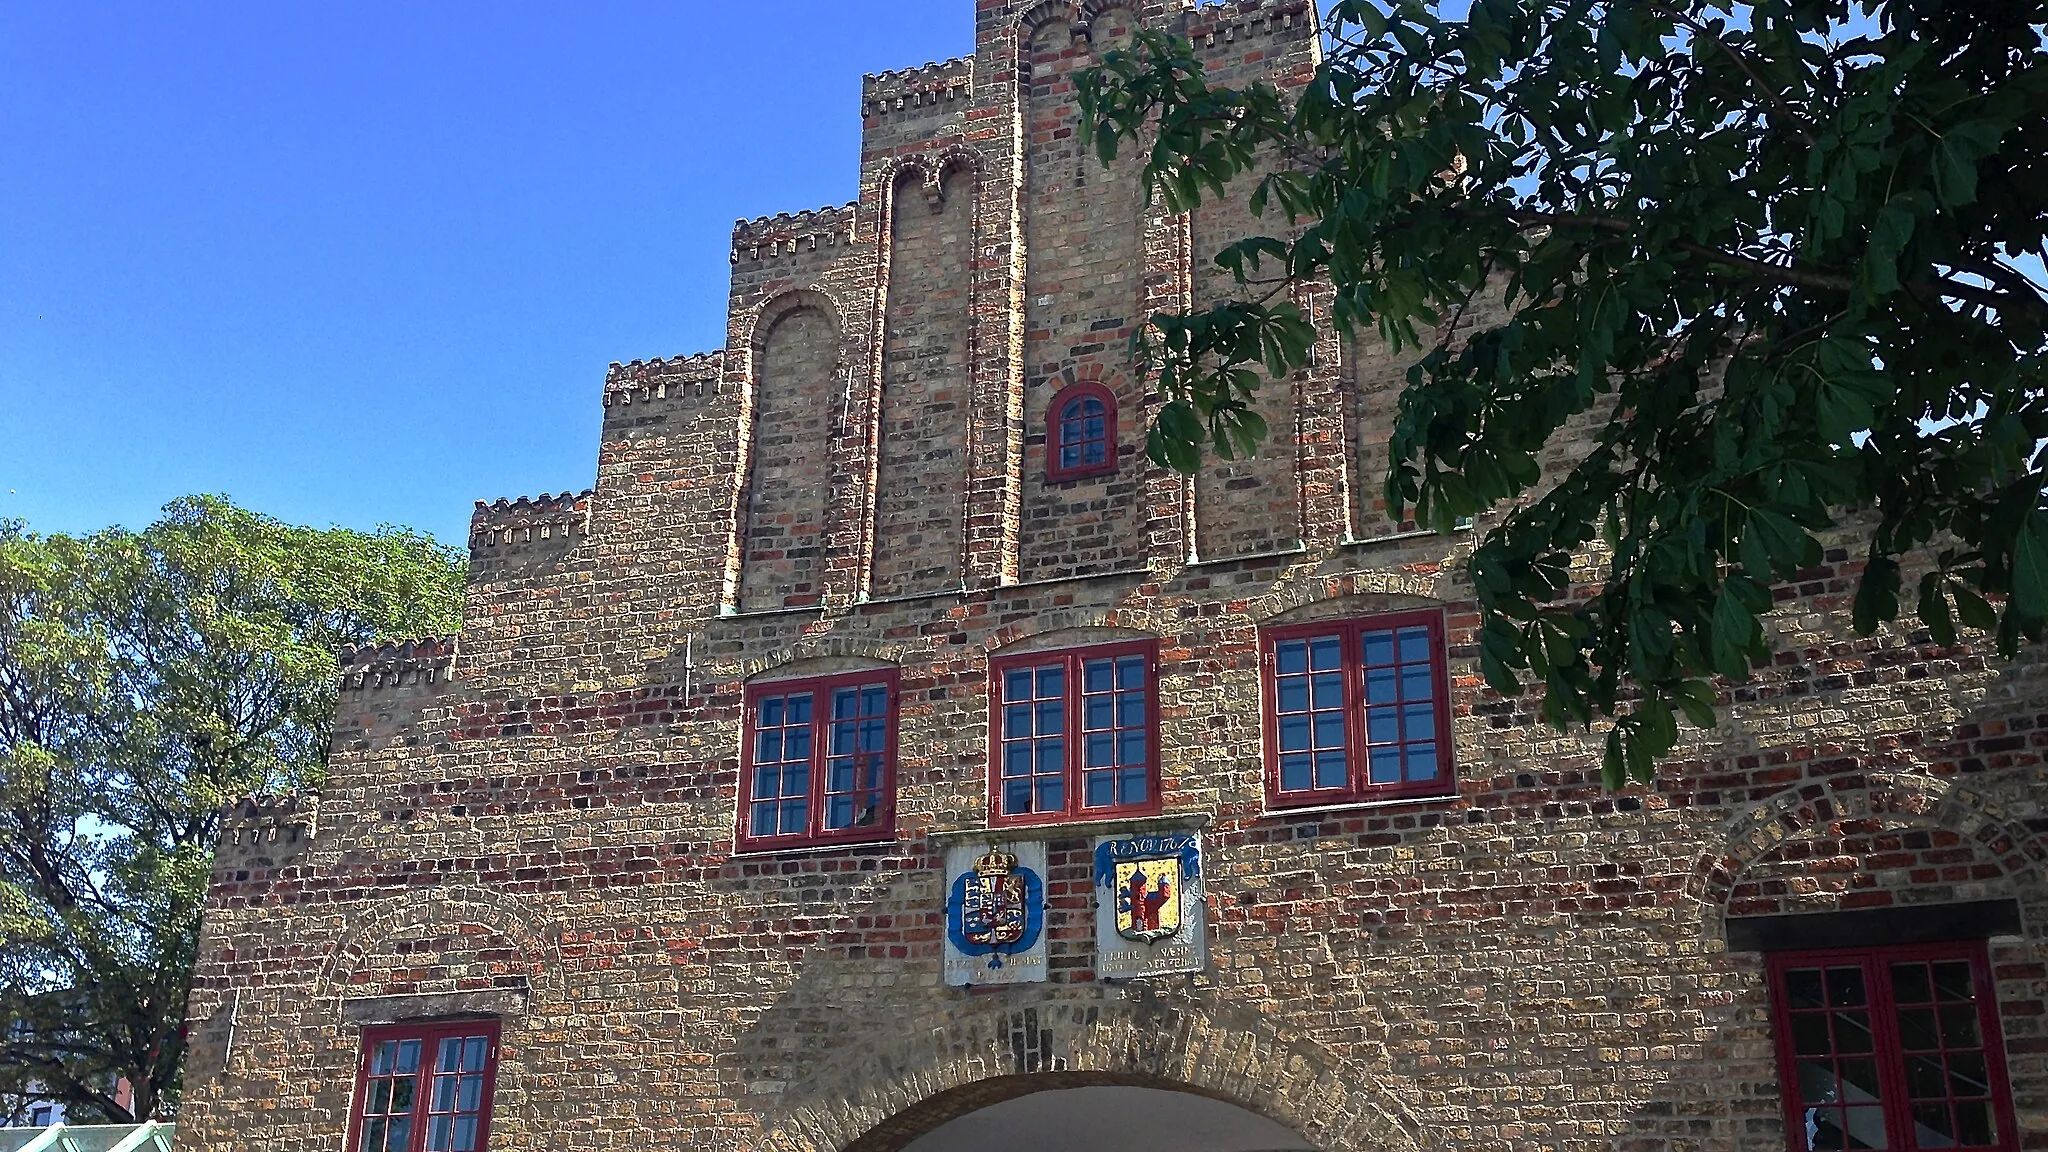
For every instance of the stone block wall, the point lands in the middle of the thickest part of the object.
(536, 820)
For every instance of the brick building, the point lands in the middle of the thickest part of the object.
(765, 799)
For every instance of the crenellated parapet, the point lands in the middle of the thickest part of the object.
(395, 664)
(1211, 25)
(266, 829)
(944, 82)
(643, 382)
(516, 526)
(792, 234)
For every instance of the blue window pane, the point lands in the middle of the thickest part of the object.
(1052, 681)
(1384, 767)
(1290, 656)
(1414, 645)
(1379, 686)
(1017, 684)
(768, 749)
(1017, 721)
(408, 1057)
(1017, 796)
(373, 1134)
(1415, 682)
(382, 1058)
(842, 739)
(1382, 726)
(1070, 453)
(1051, 717)
(1101, 745)
(1052, 794)
(1294, 733)
(465, 1134)
(1101, 790)
(767, 782)
(874, 700)
(839, 774)
(1095, 675)
(771, 711)
(839, 812)
(1332, 770)
(444, 1094)
(1017, 759)
(1329, 729)
(873, 735)
(1052, 756)
(764, 820)
(1130, 747)
(1418, 722)
(796, 779)
(1095, 714)
(438, 1136)
(871, 774)
(1132, 786)
(1130, 709)
(473, 1088)
(796, 744)
(1325, 653)
(845, 704)
(1422, 763)
(1295, 773)
(1293, 694)
(794, 813)
(1379, 647)
(1130, 672)
(1329, 689)
(800, 709)
(399, 1136)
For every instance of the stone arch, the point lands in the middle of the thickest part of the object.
(823, 649)
(442, 909)
(1123, 1035)
(1297, 594)
(776, 558)
(1904, 798)
(761, 325)
(1034, 19)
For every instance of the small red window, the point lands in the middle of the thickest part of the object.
(425, 1088)
(1075, 734)
(819, 762)
(1081, 433)
(1891, 1048)
(1357, 710)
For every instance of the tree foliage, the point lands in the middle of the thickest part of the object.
(1782, 257)
(146, 679)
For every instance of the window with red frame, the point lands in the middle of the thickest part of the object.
(819, 764)
(425, 1087)
(1891, 1048)
(1357, 710)
(1081, 433)
(1075, 734)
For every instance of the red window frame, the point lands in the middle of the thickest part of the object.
(1074, 773)
(1906, 1033)
(424, 1082)
(1359, 715)
(1056, 441)
(818, 792)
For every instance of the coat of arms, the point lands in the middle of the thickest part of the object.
(995, 914)
(1151, 905)
(1148, 898)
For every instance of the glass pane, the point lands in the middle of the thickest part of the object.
(408, 1057)
(1974, 1125)
(444, 1094)
(383, 1057)
(373, 1134)
(1097, 713)
(1052, 794)
(1384, 767)
(1294, 773)
(796, 744)
(1909, 984)
(763, 823)
(874, 700)
(1017, 759)
(1952, 980)
(1415, 682)
(1845, 987)
(1294, 733)
(1852, 1032)
(1802, 988)
(1329, 690)
(379, 1099)
(771, 712)
(1101, 790)
(1864, 1128)
(839, 774)
(1379, 648)
(1293, 694)
(1959, 1025)
(1810, 1034)
(1422, 762)
(399, 1136)
(1966, 1074)
(1051, 717)
(1860, 1084)
(439, 1134)
(1052, 757)
(1329, 729)
(1017, 684)
(1382, 726)
(1097, 675)
(1132, 786)
(1052, 681)
(1130, 672)
(1932, 1127)
(1017, 796)
(1916, 1029)
(1817, 1083)
(1414, 645)
(1130, 709)
(1418, 722)
(472, 1093)
(1101, 749)
(767, 781)
(839, 812)
(1326, 654)
(800, 709)
(1130, 746)
(1332, 770)
(465, 1134)
(1017, 721)
(1925, 1078)
(1379, 686)
(794, 813)
(1290, 657)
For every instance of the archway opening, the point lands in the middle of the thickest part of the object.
(1079, 1112)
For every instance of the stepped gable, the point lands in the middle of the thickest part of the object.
(281, 822)
(1236, 19)
(935, 83)
(789, 234)
(644, 381)
(529, 519)
(391, 664)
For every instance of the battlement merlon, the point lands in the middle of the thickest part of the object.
(266, 830)
(529, 519)
(394, 664)
(1212, 24)
(645, 381)
(789, 234)
(909, 88)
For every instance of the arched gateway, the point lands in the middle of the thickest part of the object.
(1108, 1065)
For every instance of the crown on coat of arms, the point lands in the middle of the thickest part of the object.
(995, 863)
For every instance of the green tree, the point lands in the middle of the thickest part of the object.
(146, 679)
(1784, 257)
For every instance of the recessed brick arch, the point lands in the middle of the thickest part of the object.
(960, 1057)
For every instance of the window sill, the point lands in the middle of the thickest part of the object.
(1272, 813)
(1164, 822)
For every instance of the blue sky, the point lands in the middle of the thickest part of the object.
(366, 262)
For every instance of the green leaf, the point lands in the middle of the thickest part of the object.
(2030, 571)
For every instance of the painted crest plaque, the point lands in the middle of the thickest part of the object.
(995, 914)
(1151, 912)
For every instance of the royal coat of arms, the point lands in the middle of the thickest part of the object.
(1151, 910)
(995, 915)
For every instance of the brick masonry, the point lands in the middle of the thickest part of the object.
(538, 816)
